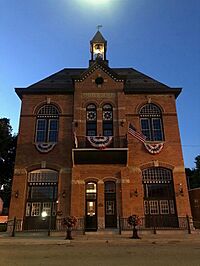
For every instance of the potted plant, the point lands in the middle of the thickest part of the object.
(134, 221)
(69, 222)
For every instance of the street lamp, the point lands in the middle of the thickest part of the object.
(44, 215)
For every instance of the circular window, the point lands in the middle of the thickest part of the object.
(99, 80)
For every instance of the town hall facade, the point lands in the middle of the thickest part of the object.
(101, 144)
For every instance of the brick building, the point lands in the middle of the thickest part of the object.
(194, 196)
(99, 143)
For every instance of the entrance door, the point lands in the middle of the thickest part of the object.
(110, 205)
(91, 207)
(159, 198)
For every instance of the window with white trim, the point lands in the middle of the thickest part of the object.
(47, 124)
(42, 192)
(151, 122)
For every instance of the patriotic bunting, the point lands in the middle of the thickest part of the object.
(151, 148)
(100, 142)
(45, 147)
(154, 148)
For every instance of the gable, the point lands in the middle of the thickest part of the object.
(98, 64)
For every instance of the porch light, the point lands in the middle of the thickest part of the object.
(44, 214)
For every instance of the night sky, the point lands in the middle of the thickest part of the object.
(157, 37)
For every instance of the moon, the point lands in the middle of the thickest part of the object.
(98, 2)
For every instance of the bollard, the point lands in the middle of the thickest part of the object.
(120, 228)
(188, 224)
(13, 229)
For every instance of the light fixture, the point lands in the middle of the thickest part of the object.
(180, 190)
(44, 214)
(122, 123)
(134, 193)
(16, 193)
(64, 194)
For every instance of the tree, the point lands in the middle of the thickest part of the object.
(193, 175)
(8, 143)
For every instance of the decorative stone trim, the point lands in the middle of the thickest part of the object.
(87, 74)
(20, 171)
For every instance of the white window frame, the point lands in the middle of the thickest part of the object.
(164, 207)
(154, 207)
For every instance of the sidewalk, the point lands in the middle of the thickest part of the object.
(168, 239)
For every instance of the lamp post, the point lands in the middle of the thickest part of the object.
(51, 211)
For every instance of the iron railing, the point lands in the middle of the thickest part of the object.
(117, 142)
(172, 223)
(183, 223)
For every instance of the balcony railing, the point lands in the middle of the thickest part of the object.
(117, 142)
(93, 151)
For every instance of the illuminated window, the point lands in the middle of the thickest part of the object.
(42, 192)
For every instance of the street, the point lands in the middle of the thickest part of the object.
(105, 253)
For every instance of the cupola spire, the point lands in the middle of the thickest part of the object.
(98, 47)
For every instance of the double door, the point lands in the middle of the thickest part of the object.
(109, 206)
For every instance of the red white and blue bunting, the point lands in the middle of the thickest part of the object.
(154, 148)
(151, 147)
(100, 142)
(45, 147)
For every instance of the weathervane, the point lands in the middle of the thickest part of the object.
(99, 26)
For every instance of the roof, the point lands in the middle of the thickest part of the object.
(98, 37)
(63, 81)
(99, 63)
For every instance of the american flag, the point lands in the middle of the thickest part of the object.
(134, 133)
(75, 140)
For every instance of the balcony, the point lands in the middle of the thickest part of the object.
(113, 153)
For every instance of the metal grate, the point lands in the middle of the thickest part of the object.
(48, 109)
(157, 175)
(150, 110)
(43, 177)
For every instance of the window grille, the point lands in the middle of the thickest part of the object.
(43, 177)
(157, 175)
(48, 109)
(150, 110)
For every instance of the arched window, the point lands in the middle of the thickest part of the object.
(151, 122)
(91, 120)
(107, 120)
(41, 199)
(159, 197)
(47, 124)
